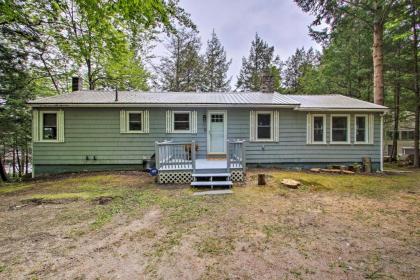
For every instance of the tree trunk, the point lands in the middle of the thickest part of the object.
(27, 160)
(416, 84)
(397, 95)
(378, 57)
(3, 175)
(18, 163)
(90, 74)
(13, 163)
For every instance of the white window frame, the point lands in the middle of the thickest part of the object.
(348, 128)
(271, 139)
(324, 131)
(128, 121)
(41, 127)
(189, 121)
(367, 127)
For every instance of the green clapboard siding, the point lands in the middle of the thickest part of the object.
(96, 132)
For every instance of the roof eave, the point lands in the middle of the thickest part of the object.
(331, 109)
(166, 105)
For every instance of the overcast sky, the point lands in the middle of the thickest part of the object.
(279, 22)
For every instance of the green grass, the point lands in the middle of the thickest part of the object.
(12, 187)
(368, 185)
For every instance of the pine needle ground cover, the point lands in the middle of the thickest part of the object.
(123, 225)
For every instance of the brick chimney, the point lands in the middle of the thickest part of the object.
(76, 84)
(267, 82)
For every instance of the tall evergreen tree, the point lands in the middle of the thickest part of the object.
(295, 68)
(373, 14)
(216, 66)
(261, 60)
(182, 69)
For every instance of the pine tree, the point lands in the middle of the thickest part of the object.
(182, 69)
(296, 66)
(260, 60)
(215, 67)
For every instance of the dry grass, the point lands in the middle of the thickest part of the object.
(333, 227)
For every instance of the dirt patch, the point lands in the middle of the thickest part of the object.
(267, 232)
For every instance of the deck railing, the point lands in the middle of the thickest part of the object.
(236, 154)
(174, 155)
(182, 156)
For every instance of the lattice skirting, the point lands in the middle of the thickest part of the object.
(237, 176)
(185, 177)
(177, 177)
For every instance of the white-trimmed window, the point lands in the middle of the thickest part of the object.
(340, 129)
(264, 126)
(134, 121)
(181, 121)
(361, 129)
(48, 126)
(49, 122)
(316, 129)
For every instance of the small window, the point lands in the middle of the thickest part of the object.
(49, 126)
(264, 126)
(340, 129)
(407, 135)
(181, 121)
(361, 129)
(318, 129)
(135, 122)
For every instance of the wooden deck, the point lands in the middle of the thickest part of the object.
(178, 163)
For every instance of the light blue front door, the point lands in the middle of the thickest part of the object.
(216, 132)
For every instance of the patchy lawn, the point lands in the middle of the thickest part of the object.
(122, 225)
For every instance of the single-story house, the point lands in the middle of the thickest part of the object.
(195, 133)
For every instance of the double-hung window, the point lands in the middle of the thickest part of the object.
(340, 125)
(361, 129)
(316, 129)
(182, 121)
(264, 126)
(135, 121)
(49, 126)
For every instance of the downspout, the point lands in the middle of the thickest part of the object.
(382, 144)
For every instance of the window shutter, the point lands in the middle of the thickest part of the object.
(60, 120)
(123, 122)
(169, 123)
(35, 125)
(252, 127)
(194, 122)
(145, 121)
(276, 126)
(371, 129)
(309, 128)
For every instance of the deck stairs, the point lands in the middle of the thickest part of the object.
(211, 178)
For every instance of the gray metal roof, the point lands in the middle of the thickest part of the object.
(192, 98)
(226, 99)
(333, 101)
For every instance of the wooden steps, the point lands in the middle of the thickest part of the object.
(211, 178)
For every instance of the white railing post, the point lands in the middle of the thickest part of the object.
(243, 157)
(193, 155)
(157, 159)
(227, 156)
